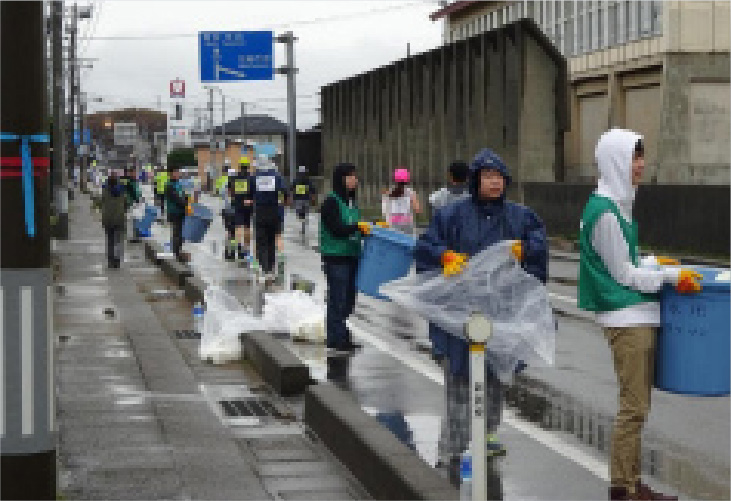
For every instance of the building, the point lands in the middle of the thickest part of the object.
(259, 129)
(504, 89)
(127, 136)
(658, 67)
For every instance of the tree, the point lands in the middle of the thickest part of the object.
(181, 157)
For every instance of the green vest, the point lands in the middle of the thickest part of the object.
(161, 179)
(598, 291)
(334, 246)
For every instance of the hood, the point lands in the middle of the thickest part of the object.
(341, 170)
(486, 159)
(613, 156)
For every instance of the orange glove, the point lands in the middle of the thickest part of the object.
(382, 224)
(453, 262)
(189, 209)
(667, 261)
(365, 228)
(688, 282)
(516, 249)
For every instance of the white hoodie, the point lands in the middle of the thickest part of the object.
(614, 158)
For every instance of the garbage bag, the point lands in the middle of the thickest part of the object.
(495, 285)
(296, 313)
(223, 322)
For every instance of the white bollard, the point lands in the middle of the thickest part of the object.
(478, 330)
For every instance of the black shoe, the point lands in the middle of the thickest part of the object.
(351, 346)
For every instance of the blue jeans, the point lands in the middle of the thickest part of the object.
(341, 293)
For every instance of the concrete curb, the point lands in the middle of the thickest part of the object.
(278, 366)
(175, 270)
(384, 466)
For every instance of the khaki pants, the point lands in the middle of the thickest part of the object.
(633, 351)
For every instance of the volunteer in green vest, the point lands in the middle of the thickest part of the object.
(623, 294)
(161, 180)
(340, 247)
(114, 219)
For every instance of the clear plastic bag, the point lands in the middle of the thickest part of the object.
(523, 328)
(297, 313)
(223, 323)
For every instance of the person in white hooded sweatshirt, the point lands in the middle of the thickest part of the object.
(623, 293)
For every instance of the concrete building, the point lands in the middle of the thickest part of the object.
(658, 67)
(504, 89)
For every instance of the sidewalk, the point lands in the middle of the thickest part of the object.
(140, 417)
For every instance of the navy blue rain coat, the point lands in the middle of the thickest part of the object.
(471, 225)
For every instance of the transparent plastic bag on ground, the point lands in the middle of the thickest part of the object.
(296, 313)
(495, 285)
(223, 322)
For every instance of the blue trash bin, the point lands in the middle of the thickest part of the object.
(692, 354)
(196, 225)
(387, 256)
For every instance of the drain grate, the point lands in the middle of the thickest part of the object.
(187, 334)
(250, 407)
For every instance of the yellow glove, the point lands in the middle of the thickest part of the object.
(667, 261)
(688, 282)
(453, 263)
(365, 228)
(516, 249)
(382, 224)
(189, 209)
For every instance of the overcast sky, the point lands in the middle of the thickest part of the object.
(336, 39)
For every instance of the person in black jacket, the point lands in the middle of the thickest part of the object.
(340, 248)
(177, 203)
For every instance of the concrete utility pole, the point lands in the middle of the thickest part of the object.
(27, 424)
(58, 170)
(243, 123)
(71, 158)
(223, 133)
(290, 70)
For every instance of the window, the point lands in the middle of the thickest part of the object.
(568, 38)
(645, 18)
(611, 13)
(485, 22)
(656, 15)
(600, 41)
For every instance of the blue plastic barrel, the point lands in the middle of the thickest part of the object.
(693, 346)
(196, 225)
(387, 255)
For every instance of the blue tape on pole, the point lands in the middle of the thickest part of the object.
(27, 174)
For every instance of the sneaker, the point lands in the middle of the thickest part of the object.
(351, 346)
(619, 494)
(493, 446)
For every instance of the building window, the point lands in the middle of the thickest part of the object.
(645, 15)
(568, 38)
(630, 12)
(611, 13)
(485, 23)
(657, 17)
(600, 14)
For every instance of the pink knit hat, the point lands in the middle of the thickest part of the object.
(401, 175)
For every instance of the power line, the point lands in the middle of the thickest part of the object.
(326, 19)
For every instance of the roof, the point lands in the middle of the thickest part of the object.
(450, 9)
(254, 124)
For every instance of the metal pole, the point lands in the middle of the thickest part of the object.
(478, 330)
(210, 125)
(223, 133)
(58, 168)
(291, 106)
(243, 124)
(27, 424)
(72, 95)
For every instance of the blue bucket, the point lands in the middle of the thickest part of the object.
(387, 256)
(146, 222)
(196, 225)
(693, 347)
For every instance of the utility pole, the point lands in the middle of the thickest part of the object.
(290, 70)
(223, 133)
(71, 158)
(27, 424)
(210, 129)
(83, 157)
(58, 170)
(243, 123)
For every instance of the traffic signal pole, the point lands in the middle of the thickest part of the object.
(27, 424)
(58, 170)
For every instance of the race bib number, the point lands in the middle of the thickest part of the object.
(241, 186)
(301, 189)
(266, 183)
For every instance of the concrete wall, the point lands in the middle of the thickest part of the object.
(504, 89)
(671, 218)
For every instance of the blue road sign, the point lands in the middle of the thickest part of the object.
(235, 55)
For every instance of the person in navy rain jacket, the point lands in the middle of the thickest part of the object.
(467, 227)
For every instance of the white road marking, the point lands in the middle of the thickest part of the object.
(593, 465)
